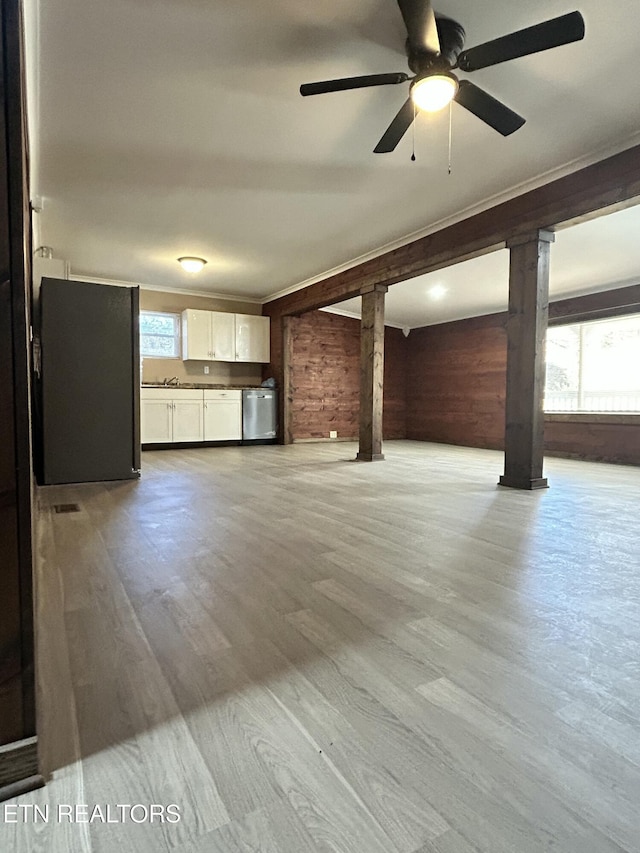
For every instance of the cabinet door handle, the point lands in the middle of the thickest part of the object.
(206, 406)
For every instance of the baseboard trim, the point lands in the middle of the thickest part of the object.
(19, 767)
(321, 440)
(188, 445)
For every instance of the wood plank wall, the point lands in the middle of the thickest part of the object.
(394, 409)
(456, 376)
(456, 373)
(599, 442)
(325, 377)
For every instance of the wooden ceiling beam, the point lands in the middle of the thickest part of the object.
(595, 306)
(614, 181)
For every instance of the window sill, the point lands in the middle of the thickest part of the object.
(593, 417)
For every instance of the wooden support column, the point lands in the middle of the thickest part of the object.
(526, 337)
(371, 372)
(286, 407)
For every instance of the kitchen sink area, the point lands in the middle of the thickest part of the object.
(191, 413)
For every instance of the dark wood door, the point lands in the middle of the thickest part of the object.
(17, 706)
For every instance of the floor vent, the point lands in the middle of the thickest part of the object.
(66, 508)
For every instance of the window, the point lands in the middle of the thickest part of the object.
(594, 367)
(159, 335)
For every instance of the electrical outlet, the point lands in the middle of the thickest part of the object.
(333, 433)
(206, 368)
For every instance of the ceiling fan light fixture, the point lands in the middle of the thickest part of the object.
(434, 92)
(192, 265)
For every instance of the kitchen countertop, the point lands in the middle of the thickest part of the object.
(199, 385)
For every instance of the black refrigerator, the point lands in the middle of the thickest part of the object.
(89, 386)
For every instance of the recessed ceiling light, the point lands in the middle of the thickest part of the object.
(192, 264)
(437, 291)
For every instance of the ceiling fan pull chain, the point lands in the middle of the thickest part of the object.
(450, 128)
(413, 134)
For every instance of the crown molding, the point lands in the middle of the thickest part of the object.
(252, 300)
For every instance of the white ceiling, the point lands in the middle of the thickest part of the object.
(596, 255)
(172, 127)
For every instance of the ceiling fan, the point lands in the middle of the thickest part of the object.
(434, 47)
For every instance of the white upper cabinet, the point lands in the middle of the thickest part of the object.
(223, 336)
(196, 335)
(208, 336)
(218, 336)
(252, 338)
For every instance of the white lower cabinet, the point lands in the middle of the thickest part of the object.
(187, 420)
(156, 419)
(222, 415)
(169, 415)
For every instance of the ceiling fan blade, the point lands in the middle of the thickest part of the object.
(420, 21)
(346, 83)
(397, 129)
(553, 33)
(486, 107)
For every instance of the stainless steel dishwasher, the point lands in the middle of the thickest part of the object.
(259, 414)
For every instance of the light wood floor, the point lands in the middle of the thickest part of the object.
(310, 654)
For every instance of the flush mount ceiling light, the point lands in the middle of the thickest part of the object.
(434, 92)
(192, 264)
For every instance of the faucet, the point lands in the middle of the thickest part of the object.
(173, 381)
